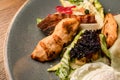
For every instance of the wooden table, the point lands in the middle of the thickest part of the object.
(8, 8)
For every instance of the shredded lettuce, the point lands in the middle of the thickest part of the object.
(99, 8)
(94, 6)
(76, 2)
(104, 45)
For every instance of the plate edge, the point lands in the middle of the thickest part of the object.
(6, 65)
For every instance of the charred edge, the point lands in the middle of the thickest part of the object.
(57, 40)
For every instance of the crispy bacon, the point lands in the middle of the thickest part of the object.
(48, 24)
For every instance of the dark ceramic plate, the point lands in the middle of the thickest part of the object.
(24, 35)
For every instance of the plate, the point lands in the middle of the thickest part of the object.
(23, 36)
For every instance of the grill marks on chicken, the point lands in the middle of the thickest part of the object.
(49, 47)
(48, 24)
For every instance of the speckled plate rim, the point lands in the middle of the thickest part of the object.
(5, 55)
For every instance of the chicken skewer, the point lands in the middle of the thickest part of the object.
(49, 48)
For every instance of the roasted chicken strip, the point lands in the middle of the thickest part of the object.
(50, 47)
(110, 29)
(48, 24)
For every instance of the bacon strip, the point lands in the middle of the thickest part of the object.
(48, 24)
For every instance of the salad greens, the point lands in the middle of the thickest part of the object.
(94, 7)
(104, 45)
(98, 6)
(76, 2)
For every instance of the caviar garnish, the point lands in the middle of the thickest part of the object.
(88, 44)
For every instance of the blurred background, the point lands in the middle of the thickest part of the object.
(8, 8)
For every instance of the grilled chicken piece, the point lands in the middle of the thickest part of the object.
(49, 23)
(50, 47)
(110, 29)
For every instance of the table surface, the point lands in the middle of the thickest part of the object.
(8, 8)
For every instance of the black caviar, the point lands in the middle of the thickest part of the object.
(88, 44)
